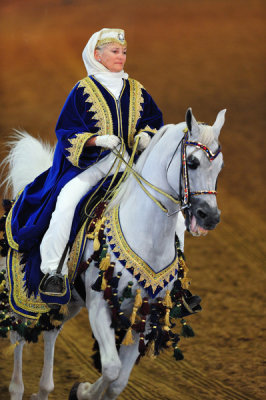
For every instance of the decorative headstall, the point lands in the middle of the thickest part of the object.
(211, 156)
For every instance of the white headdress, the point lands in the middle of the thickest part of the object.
(104, 36)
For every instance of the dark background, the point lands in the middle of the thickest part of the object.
(207, 54)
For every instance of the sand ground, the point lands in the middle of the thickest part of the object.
(205, 54)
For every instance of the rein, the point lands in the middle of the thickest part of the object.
(184, 202)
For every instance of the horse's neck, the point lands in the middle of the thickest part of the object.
(148, 230)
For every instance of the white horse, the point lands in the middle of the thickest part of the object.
(149, 231)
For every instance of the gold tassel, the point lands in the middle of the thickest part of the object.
(2, 286)
(167, 300)
(128, 339)
(8, 352)
(64, 310)
(150, 351)
(166, 318)
(105, 262)
(104, 283)
(185, 282)
(55, 322)
(138, 299)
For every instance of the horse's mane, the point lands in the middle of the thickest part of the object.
(127, 187)
(206, 135)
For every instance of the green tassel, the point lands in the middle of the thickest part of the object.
(127, 293)
(175, 311)
(178, 354)
(186, 331)
(103, 252)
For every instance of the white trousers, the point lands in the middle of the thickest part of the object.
(57, 235)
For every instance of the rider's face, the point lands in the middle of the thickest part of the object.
(112, 56)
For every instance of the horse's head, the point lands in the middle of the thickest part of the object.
(202, 161)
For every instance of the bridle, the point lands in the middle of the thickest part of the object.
(184, 201)
(211, 156)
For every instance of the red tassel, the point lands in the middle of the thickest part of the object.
(145, 308)
(142, 347)
(108, 292)
(109, 272)
(140, 326)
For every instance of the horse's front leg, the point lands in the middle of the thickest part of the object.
(100, 321)
(128, 356)
(16, 386)
(46, 385)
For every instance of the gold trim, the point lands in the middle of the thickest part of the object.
(77, 248)
(32, 304)
(109, 41)
(99, 106)
(132, 260)
(135, 107)
(14, 245)
(77, 146)
(148, 129)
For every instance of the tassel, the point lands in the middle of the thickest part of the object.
(115, 280)
(178, 353)
(140, 326)
(138, 299)
(97, 286)
(166, 318)
(150, 350)
(186, 330)
(167, 300)
(128, 339)
(103, 283)
(105, 262)
(142, 347)
(124, 320)
(127, 292)
(108, 292)
(109, 272)
(2, 286)
(64, 309)
(145, 308)
(104, 251)
(185, 283)
(175, 312)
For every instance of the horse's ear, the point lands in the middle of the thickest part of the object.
(218, 124)
(192, 123)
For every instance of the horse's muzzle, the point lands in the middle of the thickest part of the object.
(206, 216)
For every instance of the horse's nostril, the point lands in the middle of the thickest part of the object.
(201, 214)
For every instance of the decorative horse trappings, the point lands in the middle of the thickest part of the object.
(127, 264)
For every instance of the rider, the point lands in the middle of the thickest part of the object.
(102, 110)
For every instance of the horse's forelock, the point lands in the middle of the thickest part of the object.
(207, 135)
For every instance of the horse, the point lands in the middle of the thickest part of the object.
(177, 172)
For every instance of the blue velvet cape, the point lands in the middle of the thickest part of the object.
(90, 110)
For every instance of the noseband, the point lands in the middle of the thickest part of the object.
(211, 156)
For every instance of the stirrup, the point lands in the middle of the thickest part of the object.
(54, 290)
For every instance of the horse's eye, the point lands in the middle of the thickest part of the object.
(192, 162)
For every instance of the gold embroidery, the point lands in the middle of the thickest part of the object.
(133, 261)
(99, 106)
(77, 249)
(17, 290)
(135, 108)
(148, 129)
(77, 146)
(14, 245)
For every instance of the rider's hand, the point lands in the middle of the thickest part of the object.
(144, 140)
(107, 141)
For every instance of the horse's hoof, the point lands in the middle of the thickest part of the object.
(73, 392)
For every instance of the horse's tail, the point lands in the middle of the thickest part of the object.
(28, 157)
